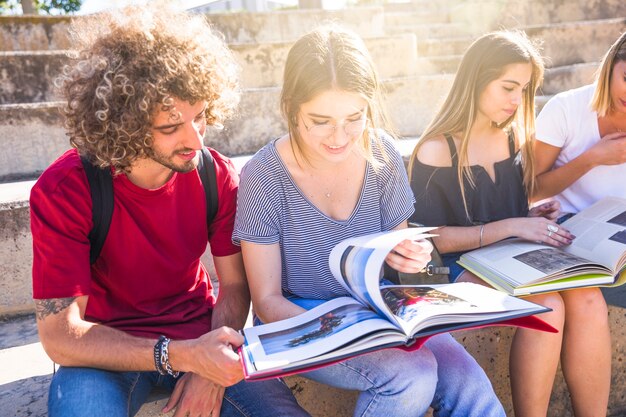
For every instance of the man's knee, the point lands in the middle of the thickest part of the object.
(95, 392)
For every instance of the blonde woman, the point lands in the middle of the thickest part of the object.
(334, 175)
(472, 171)
(581, 138)
(580, 158)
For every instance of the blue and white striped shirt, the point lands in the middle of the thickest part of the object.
(272, 209)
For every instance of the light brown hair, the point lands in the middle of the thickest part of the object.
(331, 57)
(484, 61)
(601, 102)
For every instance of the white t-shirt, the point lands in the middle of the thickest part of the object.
(567, 122)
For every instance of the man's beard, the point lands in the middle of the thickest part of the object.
(168, 160)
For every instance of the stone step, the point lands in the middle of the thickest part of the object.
(27, 371)
(439, 64)
(28, 76)
(15, 249)
(51, 32)
(577, 42)
(421, 6)
(564, 78)
(36, 136)
(409, 18)
(433, 30)
(493, 14)
(443, 46)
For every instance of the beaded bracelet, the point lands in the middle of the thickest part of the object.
(161, 357)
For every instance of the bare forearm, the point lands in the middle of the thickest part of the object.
(553, 182)
(71, 341)
(460, 239)
(232, 307)
(276, 307)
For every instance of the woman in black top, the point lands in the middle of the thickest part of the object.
(472, 172)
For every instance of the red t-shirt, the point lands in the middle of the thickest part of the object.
(148, 279)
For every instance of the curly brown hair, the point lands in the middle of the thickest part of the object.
(132, 63)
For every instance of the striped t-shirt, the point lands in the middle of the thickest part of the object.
(272, 209)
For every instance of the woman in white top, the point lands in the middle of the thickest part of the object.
(581, 138)
(580, 157)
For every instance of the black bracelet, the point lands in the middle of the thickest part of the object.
(158, 363)
(162, 359)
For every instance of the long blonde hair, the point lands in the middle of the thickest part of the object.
(483, 62)
(331, 57)
(601, 102)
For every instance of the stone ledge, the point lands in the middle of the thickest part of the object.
(51, 32)
(24, 385)
(28, 76)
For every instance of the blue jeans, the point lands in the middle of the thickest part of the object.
(93, 392)
(449, 260)
(396, 383)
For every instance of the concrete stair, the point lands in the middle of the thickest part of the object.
(29, 76)
(416, 46)
(576, 42)
(27, 33)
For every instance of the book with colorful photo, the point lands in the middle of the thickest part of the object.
(375, 316)
(596, 257)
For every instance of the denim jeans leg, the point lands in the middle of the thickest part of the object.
(463, 389)
(392, 382)
(271, 398)
(76, 392)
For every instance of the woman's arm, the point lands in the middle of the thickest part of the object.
(536, 229)
(263, 266)
(610, 150)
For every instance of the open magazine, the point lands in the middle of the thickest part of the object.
(596, 257)
(375, 316)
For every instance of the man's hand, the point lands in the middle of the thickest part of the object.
(195, 396)
(210, 356)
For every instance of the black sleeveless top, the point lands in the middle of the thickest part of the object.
(438, 194)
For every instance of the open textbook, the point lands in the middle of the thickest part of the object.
(596, 257)
(375, 316)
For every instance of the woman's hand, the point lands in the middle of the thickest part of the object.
(549, 210)
(410, 256)
(610, 150)
(541, 230)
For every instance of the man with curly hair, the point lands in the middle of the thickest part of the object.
(140, 94)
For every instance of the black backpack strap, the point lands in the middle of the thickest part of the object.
(206, 170)
(101, 188)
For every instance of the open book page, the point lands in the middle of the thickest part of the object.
(517, 262)
(420, 306)
(600, 232)
(357, 264)
(316, 332)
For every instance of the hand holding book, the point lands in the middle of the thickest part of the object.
(375, 316)
(597, 257)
